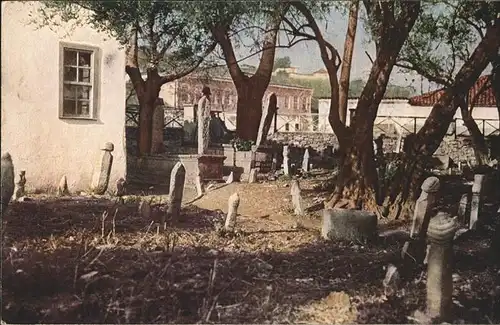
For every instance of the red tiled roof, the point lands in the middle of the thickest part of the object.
(485, 99)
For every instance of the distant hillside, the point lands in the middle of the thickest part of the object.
(321, 87)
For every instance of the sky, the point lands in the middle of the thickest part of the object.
(306, 55)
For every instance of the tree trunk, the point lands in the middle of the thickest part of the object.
(251, 89)
(248, 111)
(345, 73)
(147, 102)
(478, 142)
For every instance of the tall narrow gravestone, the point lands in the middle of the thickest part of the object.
(424, 206)
(203, 128)
(19, 189)
(305, 161)
(439, 270)
(475, 207)
(101, 177)
(157, 132)
(286, 163)
(177, 179)
(7, 180)
(298, 204)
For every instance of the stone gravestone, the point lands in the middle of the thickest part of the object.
(252, 177)
(305, 161)
(267, 119)
(62, 188)
(19, 190)
(352, 225)
(475, 206)
(298, 204)
(230, 178)
(200, 186)
(286, 163)
(157, 145)
(145, 210)
(463, 209)
(101, 177)
(203, 128)
(424, 206)
(439, 269)
(177, 179)
(274, 164)
(7, 180)
(121, 187)
(232, 212)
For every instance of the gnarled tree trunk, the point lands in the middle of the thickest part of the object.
(250, 89)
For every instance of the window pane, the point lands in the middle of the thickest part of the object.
(84, 59)
(69, 107)
(83, 108)
(69, 74)
(83, 92)
(69, 57)
(69, 92)
(84, 75)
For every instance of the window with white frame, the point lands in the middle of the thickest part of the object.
(79, 82)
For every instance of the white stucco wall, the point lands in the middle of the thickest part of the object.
(39, 142)
(400, 108)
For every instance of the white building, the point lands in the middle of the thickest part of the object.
(63, 97)
(408, 115)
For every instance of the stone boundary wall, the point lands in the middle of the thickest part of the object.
(458, 149)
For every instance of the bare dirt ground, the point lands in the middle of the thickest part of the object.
(64, 263)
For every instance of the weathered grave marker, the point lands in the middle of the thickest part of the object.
(286, 163)
(305, 161)
(7, 180)
(121, 187)
(439, 270)
(62, 188)
(203, 125)
(252, 177)
(298, 204)
(475, 207)
(230, 178)
(101, 177)
(424, 206)
(177, 179)
(232, 212)
(463, 208)
(345, 224)
(19, 190)
(157, 145)
(145, 210)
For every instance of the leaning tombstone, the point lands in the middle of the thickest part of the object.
(200, 186)
(424, 207)
(19, 190)
(101, 177)
(475, 206)
(439, 268)
(7, 181)
(463, 208)
(232, 212)
(298, 204)
(177, 180)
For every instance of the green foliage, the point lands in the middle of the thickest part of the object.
(166, 33)
(444, 37)
(283, 62)
(321, 87)
(242, 145)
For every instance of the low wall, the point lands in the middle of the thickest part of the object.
(155, 170)
(458, 149)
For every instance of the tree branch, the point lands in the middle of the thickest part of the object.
(132, 63)
(178, 75)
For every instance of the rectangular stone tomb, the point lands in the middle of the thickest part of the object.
(352, 225)
(211, 167)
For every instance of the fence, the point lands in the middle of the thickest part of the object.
(173, 117)
(318, 123)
